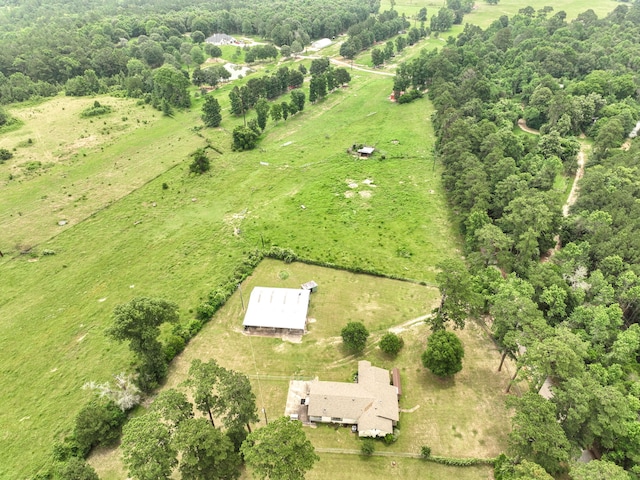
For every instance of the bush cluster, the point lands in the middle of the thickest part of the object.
(96, 110)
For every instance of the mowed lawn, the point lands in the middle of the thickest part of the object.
(299, 189)
(462, 417)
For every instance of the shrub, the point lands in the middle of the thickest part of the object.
(390, 343)
(425, 451)
(200, 163)
(98, 423)
(390, 438)
(5, 155)
(76, 469)
(96, 110)
(410, 96)
(173, 346)
(244, 138)
(69, 447)
(354, 336)
(285, 254)
(205, 311)
(193, 327)
(368, 447)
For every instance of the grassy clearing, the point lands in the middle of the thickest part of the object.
(360, 468)
(66, 167)
(483, 13)
(461, 417)
(179, 243)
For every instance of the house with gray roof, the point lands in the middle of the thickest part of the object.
(222, 39)
(371, 403)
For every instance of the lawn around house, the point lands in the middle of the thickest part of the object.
(134, 238)
(461, 417)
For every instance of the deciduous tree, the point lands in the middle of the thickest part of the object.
(138, 322)
(444, 354)
(537, 436)
(280, 450)
(205, 452)
(147, 449)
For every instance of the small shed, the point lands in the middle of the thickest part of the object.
(366, 151)
(311, 285)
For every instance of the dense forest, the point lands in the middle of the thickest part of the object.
(113, 46)
(568, 316)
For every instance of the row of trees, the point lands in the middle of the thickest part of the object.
(571, 321)
(372, 30)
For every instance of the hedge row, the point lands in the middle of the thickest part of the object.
(460, 462)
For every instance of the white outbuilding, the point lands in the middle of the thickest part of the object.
(277, 310)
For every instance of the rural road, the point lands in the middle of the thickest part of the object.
(348, 65)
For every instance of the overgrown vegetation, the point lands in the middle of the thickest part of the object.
(96, 110)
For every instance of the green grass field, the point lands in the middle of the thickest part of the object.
(127, 236)
(484, 14)
(462, 417)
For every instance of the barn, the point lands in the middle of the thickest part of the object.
(277, 311)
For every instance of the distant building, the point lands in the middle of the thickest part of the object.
(222, 39)
(277, 310)
(366, 151)
(322, 43)
(371, 403)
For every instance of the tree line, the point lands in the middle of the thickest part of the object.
(569, 322)
(46, 46)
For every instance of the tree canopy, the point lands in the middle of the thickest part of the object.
(444, 353)
(279, 450)
(354, 335)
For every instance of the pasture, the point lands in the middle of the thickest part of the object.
(484, 14)
(135, 238)
(461, 417)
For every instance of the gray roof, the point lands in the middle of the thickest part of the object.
(277, 308)
(220, 38)
(372, 402)
(366, 150)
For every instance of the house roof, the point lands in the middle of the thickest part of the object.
(218, 38)
(372, 402)
(366, 150)
(277, 308)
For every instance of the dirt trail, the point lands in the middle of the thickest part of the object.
(573, 195)
(523, 126)
(571, 199)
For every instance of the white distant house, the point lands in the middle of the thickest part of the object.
(322, 43)
(277, 310)
(222, 39)
(371, 403)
